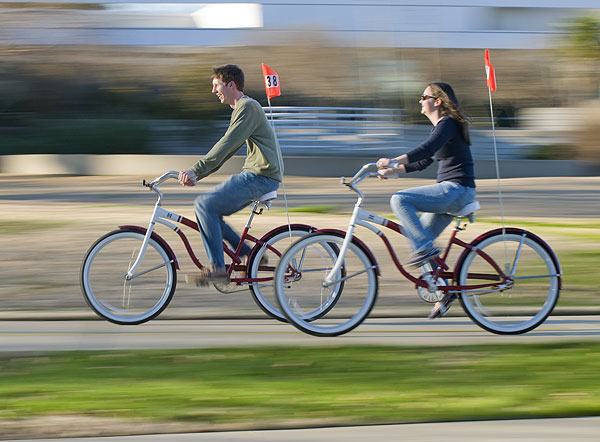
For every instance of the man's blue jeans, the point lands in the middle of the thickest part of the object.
(434, 201)
(225, 199)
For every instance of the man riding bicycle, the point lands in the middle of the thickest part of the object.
(262, 171)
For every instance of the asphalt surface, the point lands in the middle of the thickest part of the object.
(35, 336)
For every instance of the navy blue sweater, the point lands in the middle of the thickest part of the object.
(447, 145)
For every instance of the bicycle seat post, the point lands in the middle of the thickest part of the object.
(254, 211)
(259, 204)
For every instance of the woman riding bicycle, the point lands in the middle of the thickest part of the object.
(448, 144)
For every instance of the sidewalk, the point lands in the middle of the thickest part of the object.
(583, 429)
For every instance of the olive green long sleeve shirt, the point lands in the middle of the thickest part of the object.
(248, 125)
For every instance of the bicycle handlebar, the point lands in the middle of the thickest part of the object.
(361, 175)
(159, 180)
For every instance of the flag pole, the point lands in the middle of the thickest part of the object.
(287, 212)
(491, 84)
(271, 113)
(496, 161)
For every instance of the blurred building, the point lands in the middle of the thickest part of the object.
(498, 24)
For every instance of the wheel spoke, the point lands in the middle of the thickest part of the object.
(262, 276)
(143, 272)
(525, 300)
(114, 296)
(323, 309)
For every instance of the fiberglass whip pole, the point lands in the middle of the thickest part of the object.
(272, 89)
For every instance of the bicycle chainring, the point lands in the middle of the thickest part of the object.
(427, 296)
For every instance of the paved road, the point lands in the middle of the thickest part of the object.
(100, 335)
(552, 197)
(531, 430)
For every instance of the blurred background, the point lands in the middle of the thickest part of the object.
(122, 77)
(84, 76)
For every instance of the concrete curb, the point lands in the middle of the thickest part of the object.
(324, 166)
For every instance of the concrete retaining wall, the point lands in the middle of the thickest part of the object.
(294, 166)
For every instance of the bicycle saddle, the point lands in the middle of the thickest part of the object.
(267, 197)
(466, 210)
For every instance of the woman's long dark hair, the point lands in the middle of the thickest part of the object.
(451, 107)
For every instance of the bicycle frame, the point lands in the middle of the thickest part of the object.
(366, 219)
(167, 218)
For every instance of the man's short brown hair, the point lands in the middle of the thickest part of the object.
(230, 72)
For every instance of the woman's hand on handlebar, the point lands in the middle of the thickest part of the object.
(387, 172)
(187, 178)
(383, 163)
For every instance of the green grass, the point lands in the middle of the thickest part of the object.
(278, 387)
(580, 277)
(316, 208)
(17, 227)
(570, 229)
(572, 224)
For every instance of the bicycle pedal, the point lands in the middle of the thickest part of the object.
(431, 286)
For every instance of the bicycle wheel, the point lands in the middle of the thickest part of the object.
(522, 305)
(274, 244)
(116, 299)
(300, 288)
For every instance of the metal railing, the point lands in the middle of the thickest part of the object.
(301, 129)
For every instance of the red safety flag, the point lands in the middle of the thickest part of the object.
(489, 72)
(271, 81)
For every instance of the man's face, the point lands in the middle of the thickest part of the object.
(224, 92)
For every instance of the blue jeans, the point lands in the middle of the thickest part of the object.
(225, 199)
(434, 202)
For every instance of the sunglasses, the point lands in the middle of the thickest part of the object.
(427, 97)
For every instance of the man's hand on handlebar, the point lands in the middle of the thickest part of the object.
(187, 178)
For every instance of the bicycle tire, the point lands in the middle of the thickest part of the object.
(299, 284)
(525, 304)
(114, 298)
(263, 293)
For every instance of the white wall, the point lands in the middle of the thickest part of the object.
(371, 23)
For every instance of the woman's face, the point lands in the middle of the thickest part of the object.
(428, 102)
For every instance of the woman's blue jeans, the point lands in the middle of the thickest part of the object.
(225, 199)
(434, 202)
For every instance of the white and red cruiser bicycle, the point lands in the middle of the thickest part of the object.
(129, 275)
(508, 279)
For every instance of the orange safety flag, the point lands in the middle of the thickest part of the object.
(271, 81)
(489, 72)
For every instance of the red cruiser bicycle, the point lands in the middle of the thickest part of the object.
(508, 280)
(129, 275)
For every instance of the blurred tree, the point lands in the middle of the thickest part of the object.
(582, 46)
(583, 43)
(584, 37)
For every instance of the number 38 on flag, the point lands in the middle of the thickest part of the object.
(271, 81)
